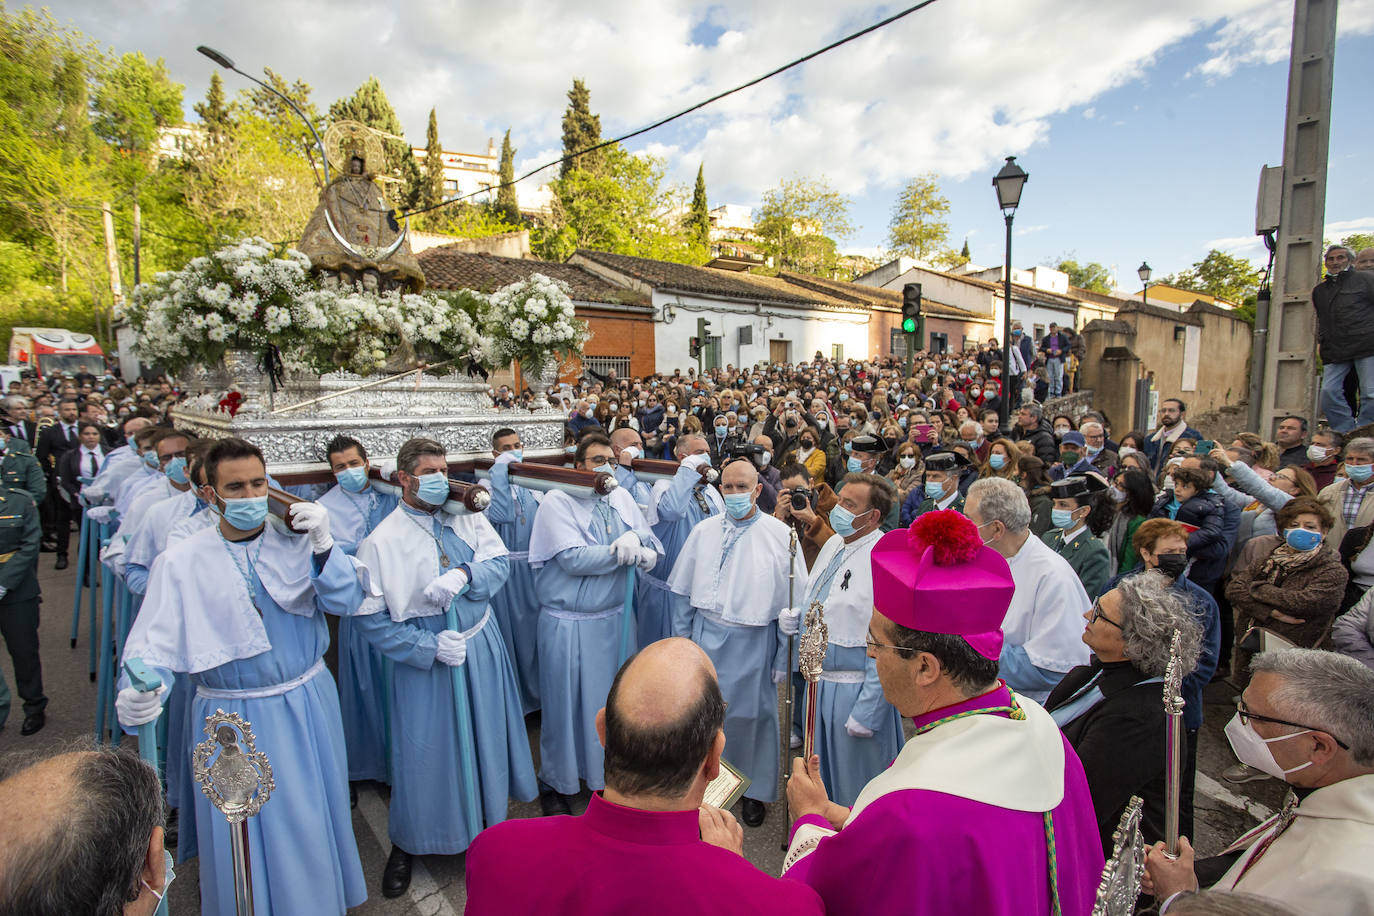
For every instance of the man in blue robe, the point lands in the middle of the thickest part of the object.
(511, 513)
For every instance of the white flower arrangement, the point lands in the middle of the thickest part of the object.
(532, 321)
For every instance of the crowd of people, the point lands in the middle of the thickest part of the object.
(1023, 581)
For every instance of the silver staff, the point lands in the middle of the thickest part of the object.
(787, 689)
(238, 782)
(811, 656)
(1174, 738)
(1120, 884)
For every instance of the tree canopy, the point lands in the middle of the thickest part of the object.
(1219, 274)
(919, 227)
(800, 222)
(1091, 276)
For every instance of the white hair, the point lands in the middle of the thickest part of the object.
(1000, 500)
(1362, 445)
(1326, 691)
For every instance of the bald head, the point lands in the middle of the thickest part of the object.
(738, 477)
(624, 438)
(1365, 259)
(662, 719)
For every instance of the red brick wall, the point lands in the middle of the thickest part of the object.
(881, 323)
(615, 334)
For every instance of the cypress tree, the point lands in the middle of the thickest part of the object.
(581, 130)
(507, 203)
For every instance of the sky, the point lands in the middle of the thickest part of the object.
(1143, 123)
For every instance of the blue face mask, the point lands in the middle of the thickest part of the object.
(1061, 518)
(842, 520)
(352, 479)
(519, 453)
(902, 422)
(997, 460)
(1359, 473)
(150, 459)
(245, 514)
(848, 447)
(739, 504)
(1016, 332)
(935, 489)
(432, 488)
(853, 465)
(176, 471)
(720, 432)
(603, 469)
(1093, 450)
(1302, 539)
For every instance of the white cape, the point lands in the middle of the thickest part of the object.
(849, 605)
(1046, 613)
(566, 522)
(750, 587)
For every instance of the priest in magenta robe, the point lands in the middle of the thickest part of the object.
(986, 809)
(646, 844)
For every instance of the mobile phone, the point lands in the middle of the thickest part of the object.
(923, 432)
(1205, 446)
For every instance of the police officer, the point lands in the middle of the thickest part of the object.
(20, 470)
(20, 534)
(1071, 538)
(940, 489)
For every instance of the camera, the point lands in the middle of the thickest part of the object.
(803, 498)
(749, 451)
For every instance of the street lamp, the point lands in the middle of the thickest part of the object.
(1008, 182)
(1143, 272)
(228, 64)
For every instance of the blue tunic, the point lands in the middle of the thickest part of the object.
(427, 801)
(516, 606)
(687, 500)
(303, 854)
(362, 681)
(581, 596)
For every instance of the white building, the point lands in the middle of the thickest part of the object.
(475, 176)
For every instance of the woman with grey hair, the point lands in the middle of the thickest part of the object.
(1112, 709)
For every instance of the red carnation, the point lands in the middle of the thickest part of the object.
(954, 538)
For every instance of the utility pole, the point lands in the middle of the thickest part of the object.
(138, 240)
(112, 255)
(1289, 383)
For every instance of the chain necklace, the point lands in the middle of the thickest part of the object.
(443, 556)
(252, 565)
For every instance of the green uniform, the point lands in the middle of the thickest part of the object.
(1086, 554)
(20, 533)
(20, 470)
(929, 505)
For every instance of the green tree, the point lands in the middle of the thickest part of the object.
(292, 135)
(507, 203)
(1219, 274)
(964, 252)
(581, 130)
(698, 222)
(432, 187)
(799, 222)
(919, 227)
(1091, 276)
(134, 100)
(216, 119)
(1359, 241)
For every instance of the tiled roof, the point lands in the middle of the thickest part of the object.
(731, 284)
(873, 295)
(448, 268)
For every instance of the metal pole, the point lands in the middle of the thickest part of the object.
(787, 689)
(1174, 738)
(1004, 403)
(243, 868)
(1143, 289)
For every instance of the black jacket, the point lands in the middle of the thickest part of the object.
(1042, 440)
(1208, 547)
(1345, 316)
(52, 444)
(27, 428)
(70, 472)
(1120, 742)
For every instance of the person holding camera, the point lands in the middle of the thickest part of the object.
(806, 507)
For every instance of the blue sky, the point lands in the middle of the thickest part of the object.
(1143, 123)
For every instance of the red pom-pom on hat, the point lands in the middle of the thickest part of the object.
(951, 534)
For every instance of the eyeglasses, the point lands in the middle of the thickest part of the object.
(1246, 715)
(874, 644)
(1098, 615)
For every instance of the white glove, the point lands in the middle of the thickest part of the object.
(628, 455)
(648, 558)
(313, 519)
(696, 462)
(445, 588)
(857, 730)
(789, 621)
(506, 458)
(3, 591)
(136, 707)
(452, 649)
(779, 677)
(625, 548)
(386, 467)
(101, 514)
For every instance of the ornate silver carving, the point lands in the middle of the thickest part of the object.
(1120, 886)
(811, 652)
(239, 780)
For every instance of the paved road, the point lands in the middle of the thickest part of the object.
(1223, 811)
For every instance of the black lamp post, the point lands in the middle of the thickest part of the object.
(228, 64)
(1143, 272)
(1008, 182)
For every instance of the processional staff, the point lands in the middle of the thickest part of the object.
(238, 782)
(787, 689)
(1173, 735)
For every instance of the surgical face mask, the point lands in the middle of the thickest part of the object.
(1059, 431)
(1172, 564)
(974, 392)
(1093, 450)
(995, 373)
(902, 422)
(1117, 496)
(245, 514)
(844, 396)
(842, 520)
(588, 413)
(1061, 518)
(570, 449)
(738, 505)
(853, 464)
(432, 488)
(765, 458)
(176, 471)
(1302, 539)
(1016, 332)
(930, 372)
(603, 469)
(720, 431)
(168, 875)
(150, 459)
(907, 461)
(1359, 473)
(1252, 750)
(1316, 453)
(935, 489)
(352, 479)
(1126, 450)
(997, 460)
(848, 447)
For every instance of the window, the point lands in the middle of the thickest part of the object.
(604, 365)
(939, 343)
(711, 354)
(450, 184)
(1039, 332)
(970, 343)
(897, 342)
(837, 352)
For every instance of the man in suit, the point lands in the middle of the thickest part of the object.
(53, 443)
(14, 416)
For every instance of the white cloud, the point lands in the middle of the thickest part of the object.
(950, 89)
(1027, 230)
(1252, 246)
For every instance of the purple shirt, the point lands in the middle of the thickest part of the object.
(916, 852)
(618, 860)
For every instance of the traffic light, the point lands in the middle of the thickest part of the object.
(694, 347)
(703, 329)
(911, 307)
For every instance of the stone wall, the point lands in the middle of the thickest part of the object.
(1071, 405)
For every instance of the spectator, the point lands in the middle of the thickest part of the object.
(805, 506)
(1324, 457)
(1134, 495)
(1173, 425)
(583, 419)
(1291, 438)
(971, 434)
(1034, 481)
(1359, 563)
(1191, 502)
(1344, 303)
(907, 474)
(768, 475)
(1102, 458)
(1131, 443)
(1056, 347)
(1117, 701)
(1349, 500)
(990, 422)
(1266, 453)
(1060, 424)
(1001, 460)
(810, 456)
(83, 836)
(1353, 632)
(1073, 458)
(1032, 427)
(1287, 483)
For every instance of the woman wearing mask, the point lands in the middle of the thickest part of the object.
(809, 455)
(1032, 477)
(1001, 460)
(1270, 495)
(1132, 443)
(1061, 425)
(1134, 495)
(906, 474)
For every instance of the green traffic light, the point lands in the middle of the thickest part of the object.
(909, 325)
